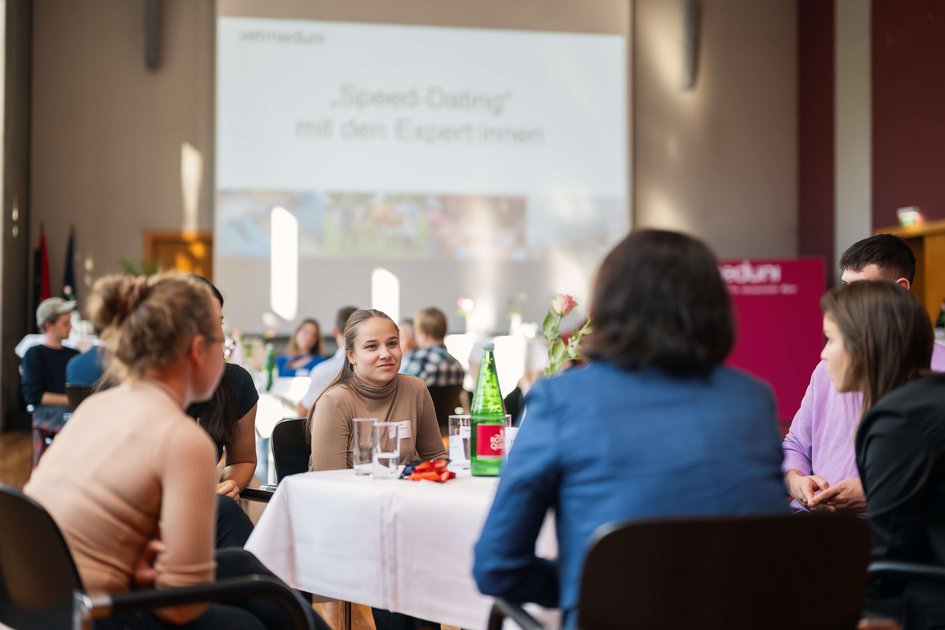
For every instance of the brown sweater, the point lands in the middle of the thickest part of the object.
(404, 398)
(128, 467)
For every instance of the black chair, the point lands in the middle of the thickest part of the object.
(907, 571)
(77, 393)
(40, 586)
(291, 451)
(260, 495)
(922, 607)
(446, 398)
(733, 573)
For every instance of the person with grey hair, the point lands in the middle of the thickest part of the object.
(43, 372)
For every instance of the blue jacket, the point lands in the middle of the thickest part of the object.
(601, 444)
(87, 368)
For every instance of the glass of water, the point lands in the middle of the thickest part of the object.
(362, 445)
(386, 450)
(459, 442)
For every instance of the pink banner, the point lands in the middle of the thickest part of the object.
(778, 323)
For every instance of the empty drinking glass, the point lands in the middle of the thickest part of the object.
(386, 450)
(362, 445)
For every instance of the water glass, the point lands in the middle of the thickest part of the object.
(386, 450)
(510, 434)
(459, 431)
(362, 445)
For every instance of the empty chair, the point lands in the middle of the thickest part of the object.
(772, 572)
(39, 582)
(291, 450)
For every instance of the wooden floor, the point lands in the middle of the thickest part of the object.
(16, 450)
(361, 618)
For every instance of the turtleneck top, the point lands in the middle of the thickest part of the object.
(405, 398)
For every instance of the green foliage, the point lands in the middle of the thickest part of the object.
(558, 350)
(144, 267)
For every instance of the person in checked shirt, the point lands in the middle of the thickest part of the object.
(430, 361)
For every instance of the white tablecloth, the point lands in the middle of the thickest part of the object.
(398, 545)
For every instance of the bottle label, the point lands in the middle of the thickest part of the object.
(490, 441)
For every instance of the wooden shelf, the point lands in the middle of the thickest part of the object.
(927, 241)
(186, 251)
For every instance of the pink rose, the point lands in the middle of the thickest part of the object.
(563, 304)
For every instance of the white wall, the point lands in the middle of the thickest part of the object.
(719, 160)
(853, 124)
(108, 136)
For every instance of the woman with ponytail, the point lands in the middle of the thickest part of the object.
(369, 385)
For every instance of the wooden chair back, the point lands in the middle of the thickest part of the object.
(446, 399)
(77, 393)
(774, 572)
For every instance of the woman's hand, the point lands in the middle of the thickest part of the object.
(143, 573)
(229, 488)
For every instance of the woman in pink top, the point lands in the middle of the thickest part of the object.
(131, 482)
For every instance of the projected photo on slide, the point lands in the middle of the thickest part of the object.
(399, 226)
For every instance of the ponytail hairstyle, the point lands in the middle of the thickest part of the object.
(347, 370)
(886, 333)
(148, 322)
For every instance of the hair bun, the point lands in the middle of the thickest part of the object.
(113, 298)
(133, 291)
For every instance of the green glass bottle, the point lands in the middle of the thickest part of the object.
(270, 366)
(487, 420)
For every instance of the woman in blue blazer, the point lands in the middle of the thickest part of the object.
(654, 426)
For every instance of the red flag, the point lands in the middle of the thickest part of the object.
(68, 275)
(44, 290)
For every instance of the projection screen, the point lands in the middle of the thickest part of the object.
(414, 153)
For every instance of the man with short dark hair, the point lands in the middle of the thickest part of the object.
(431, 362)
(879, 257)
(819, 464)
(43, 371)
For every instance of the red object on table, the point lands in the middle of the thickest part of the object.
(431, 470)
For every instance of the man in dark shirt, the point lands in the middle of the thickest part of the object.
(43, 371)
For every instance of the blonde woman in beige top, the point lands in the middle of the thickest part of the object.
(131, 480)
(369, 386)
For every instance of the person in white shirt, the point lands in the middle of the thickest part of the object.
(323, 373)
